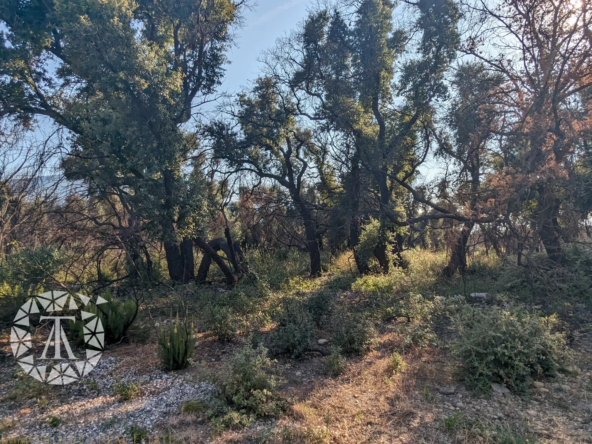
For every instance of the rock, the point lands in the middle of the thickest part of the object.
(446, 390)
(564, 387)
(501, 389)
(322, 341)
(538, 384)
(481, 297)
(298, 373)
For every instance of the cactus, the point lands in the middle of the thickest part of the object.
(175, 344)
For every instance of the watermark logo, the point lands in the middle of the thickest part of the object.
(57, 364)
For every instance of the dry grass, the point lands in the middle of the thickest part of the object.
(369, 405)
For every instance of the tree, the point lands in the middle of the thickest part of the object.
(270, 145)
(124, 78)
(543, 51)
(363, 79)
(472, 119)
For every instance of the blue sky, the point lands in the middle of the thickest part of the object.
(264, 24)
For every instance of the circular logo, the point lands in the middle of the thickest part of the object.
(58, 364)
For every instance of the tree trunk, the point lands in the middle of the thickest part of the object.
(187, 261)
(458, 258)
(380, 251)
(381, 255)
(171, 245)
(547, 227)
(311, 236)
(210, 255)
(174, 261)
(355, 225)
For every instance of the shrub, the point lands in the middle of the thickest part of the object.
(176, 344)
(245, 385)
(27, 388)
(295, 333)
(335, 362)
(54, 421)
(116, 316)
(352, 333)
(507, 347)
(138, 434)
(126, 390)
(220, 321)
(320, 306)
(11, 299)
(30, 267)
(396, 364)
(418, 336)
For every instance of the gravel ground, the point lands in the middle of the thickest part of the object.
(90, 409)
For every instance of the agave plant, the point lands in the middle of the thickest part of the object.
(176, 344)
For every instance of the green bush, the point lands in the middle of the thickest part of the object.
(220, 321)
(30, 267)
(295, 333)
(335, 362)
(126, 390)
(351, 332)
(418, 336)
(12, 297)
(507, 347)
(176, 344)
(320, 306)
(116, 316)
(397, 364)
(246, 387)
(138, 434)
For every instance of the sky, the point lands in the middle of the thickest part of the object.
(264, 23)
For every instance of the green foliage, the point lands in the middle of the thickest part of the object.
(295, 333)
(91, 385)
(116, 316)
(275, 269)
(138, 434)
(428, 395)
(54, 421)
(246, 386)
(454, 421)
(378, 284)
(509, 347)
(127, 390)
(351, 332)
(27, 388)
(246, 392)
(418, 336)
(371, 235)
(220, 321)
(30, 268)
(11, 299)
(176, 344)
(396, 364)
(335, 362)
(135, 91)
(320, 306)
